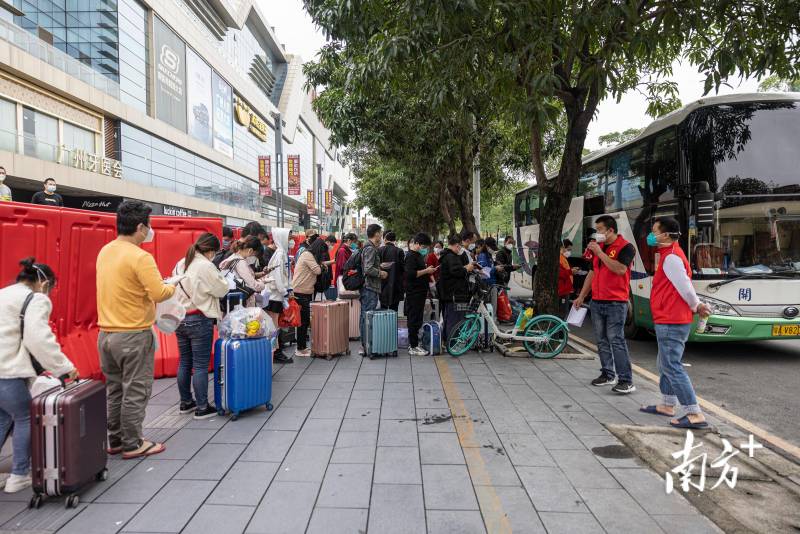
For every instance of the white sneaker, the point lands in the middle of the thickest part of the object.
(17, 483)
(3, 478)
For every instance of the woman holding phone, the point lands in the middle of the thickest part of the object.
(417, 279)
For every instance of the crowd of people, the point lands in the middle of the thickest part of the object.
(274, 267)
(47, 196)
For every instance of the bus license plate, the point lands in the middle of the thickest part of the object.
(786, 330)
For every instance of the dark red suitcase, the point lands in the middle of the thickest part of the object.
(68, 440)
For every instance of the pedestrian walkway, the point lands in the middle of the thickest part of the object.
(406, 445)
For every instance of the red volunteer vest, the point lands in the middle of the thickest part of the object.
(666, 304)
(606, 285)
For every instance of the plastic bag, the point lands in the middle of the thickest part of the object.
(290, 316)
(503, 307)
(246, 323)
(169, 314)
(522, 320)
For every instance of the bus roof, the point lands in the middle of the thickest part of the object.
(676, 117)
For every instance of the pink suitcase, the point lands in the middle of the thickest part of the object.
(355, 318)
(329, 328)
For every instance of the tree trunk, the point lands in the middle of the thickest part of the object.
(444, 205)
(460, 192)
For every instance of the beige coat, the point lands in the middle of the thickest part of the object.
(305, 273)
(202, 288)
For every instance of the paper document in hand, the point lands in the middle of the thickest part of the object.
(576, 316)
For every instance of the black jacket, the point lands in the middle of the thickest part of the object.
(392, 285)
(453, 277)
(505, 258)
(416, 285)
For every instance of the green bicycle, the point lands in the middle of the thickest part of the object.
(544, 336)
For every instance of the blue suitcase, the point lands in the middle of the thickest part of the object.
(432, 337)
(242, 374)
(381, 335)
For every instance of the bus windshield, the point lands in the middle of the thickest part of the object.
(749, 155)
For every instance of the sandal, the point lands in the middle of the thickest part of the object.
(113, 451)
(653, 409)
(684, 422)
(148, 448)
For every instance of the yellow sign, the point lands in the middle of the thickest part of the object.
(249, 119)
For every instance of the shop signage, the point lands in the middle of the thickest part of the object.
(249, 119)
(294, 174)
(80, 159)
(198, 94)
(107, 204)
(329, 201)
(223, 114)
(170, 52)
(175, 211)
(264, 176)
(310, 202)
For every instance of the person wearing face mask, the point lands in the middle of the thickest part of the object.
(243, 260)
(453, 284)
(30, 292)
(673, 303)
(432, 259)
(392, 285)
(128, 287)
(565, 277)
(5, 191)
(346, 249)
(610, 284)
(277, 282)
(468, 240)
(48, 196)
(225, 249)
(504, 262)
(417, 276)
(199, 292)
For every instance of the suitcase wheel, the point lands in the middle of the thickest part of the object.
(72, 501)
(220, 412)
(36, 501)
(234, 416)
(102, 475)
(394, 354)
(269, 406)
(371, 357)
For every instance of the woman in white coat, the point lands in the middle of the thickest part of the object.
(277, 283)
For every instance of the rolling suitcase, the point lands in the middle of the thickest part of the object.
(68, 440)
(330, 328)
(381, 334)
(402, 338)
(432, 337)
(431, 311)
(355, 318)
(242, 374)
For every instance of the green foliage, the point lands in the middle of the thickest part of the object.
(776, 83)
(616, 138)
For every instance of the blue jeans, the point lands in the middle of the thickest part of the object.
(369, 302)
(674, 383)
(608, 319)
(15, 406)
(195, 337)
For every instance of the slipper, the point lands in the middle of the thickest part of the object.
(113, 451)
(153, 448)
(684, 422)
(653, 409)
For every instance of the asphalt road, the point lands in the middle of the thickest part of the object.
(758, 381)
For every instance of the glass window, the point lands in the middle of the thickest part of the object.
(592, 179)
(8, 126)
(77, 138)
(662, 174)
(40, 134)
(626, 179)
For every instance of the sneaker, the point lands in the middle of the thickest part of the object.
(187, 407)
(303, 353)
(207, 413)
(282, 358)
(17, 483)
(362, 352)
(417, 351)
(3, 479)
(624, 388)
(603, 380)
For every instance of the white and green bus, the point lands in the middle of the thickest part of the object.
(728, 168)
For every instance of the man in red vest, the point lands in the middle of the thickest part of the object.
(610, 284)
(673, 303)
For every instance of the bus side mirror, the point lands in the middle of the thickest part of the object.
(704, 212)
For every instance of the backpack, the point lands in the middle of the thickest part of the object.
(220, 256)
(323, 281)
(353, 272)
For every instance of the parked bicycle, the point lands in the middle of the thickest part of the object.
(543, 336)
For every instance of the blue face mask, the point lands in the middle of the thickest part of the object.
(652, 240)
(423, 251)
(354, 246)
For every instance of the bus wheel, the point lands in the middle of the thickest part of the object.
(631, 330)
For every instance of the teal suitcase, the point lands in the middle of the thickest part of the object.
(381, 335)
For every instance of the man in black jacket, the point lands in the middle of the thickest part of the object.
(453, 285)
(392, 286)
(417, 278)
(504, 263)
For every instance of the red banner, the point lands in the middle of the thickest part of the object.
(329, 201)
(294, 174)
(265, 176)
(310, 201)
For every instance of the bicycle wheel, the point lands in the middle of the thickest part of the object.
(551, 333)
(463, 336)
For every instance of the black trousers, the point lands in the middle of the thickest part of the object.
(305, 319)
(414, 308)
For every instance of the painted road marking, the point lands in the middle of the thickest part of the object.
(744, 424)
(494, 517)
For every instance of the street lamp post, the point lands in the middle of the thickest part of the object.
(279, 166)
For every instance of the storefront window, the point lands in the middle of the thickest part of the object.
(8, 126)
(40, 134)
(76, 138)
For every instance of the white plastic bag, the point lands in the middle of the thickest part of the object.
(345, 293)
(43, 383)
(169, 314)
(246, 323)
(576, 316)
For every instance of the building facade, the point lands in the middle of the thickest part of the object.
(190, 105)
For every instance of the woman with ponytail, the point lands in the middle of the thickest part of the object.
(199, 292)
(22, 350)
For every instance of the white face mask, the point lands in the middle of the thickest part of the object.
(437, 250)
(51, 189)
(471, 247)
(291, 244)
(567, 253)
(2, 178)
(150, 235)
(251, 260)
(509, 246)
(600, 238)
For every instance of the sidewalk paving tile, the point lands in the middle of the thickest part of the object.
(583, 470)
(397, 433)
(142, 482)
(10, 509)
(286, 508)
(397, 465)
(101, 519)
(244, 484)
(329, 408)
(354, 448)
(516, 505)
(269, 446)
(338, 521)
(211, 462)
(240, 431)
(687, 524)
(398, 390)
(490, 466)
(51, 516)
(305, 463)
(318, 432)
(398, 408)
(455, 522)
(555, 435)
(435, 420)
(448, 487)
(616, 511)
(526, 450)
(648, 489)
(600, 442)
(440, 448)
(172, 507)
(286, 418)
(550, 490)
(220, 519)
(185, 443)
(367, 394)
(346, 486)
(396, 509)
(566, 523)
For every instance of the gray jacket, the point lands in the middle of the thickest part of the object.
(371, 267)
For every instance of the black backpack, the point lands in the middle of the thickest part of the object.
(220, 256)
(323, 281)
(353, 273)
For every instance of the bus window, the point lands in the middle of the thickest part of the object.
(626, 179)
(662, 173)
(526, 207)
(533, 208)
(520, 208)
(592, 179)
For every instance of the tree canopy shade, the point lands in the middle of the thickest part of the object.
(547, 64)
(616, 138)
